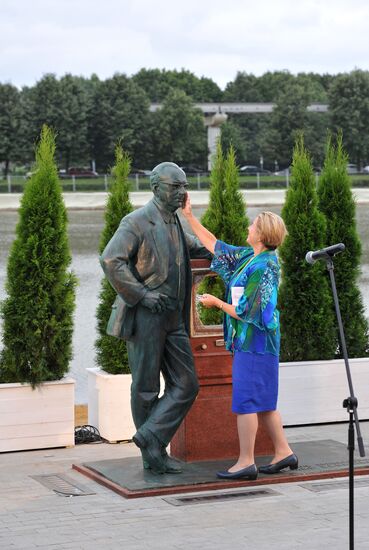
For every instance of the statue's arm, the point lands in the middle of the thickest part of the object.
(196, 249)
(115, 261)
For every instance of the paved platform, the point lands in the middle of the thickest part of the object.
(290, 516)
(319, 460)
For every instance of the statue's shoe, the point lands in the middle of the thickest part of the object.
(251, 472)
(290, 461)
(172, 466)
(152, 448)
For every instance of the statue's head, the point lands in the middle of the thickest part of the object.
(169, 185)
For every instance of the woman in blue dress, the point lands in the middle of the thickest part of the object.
(251, 333)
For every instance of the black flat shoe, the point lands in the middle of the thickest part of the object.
(251, 472)
(291, 462)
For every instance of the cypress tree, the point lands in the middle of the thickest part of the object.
(112, 352)
(305, 301)
(225, 218)
(214, 215)
(38, 310)
(337, 203)
(235, 222)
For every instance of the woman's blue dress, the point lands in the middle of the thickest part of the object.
(255, 339)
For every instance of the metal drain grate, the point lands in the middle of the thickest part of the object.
(334, 485)
(62, 485)
(219, 497)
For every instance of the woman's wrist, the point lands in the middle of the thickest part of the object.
(220, 305)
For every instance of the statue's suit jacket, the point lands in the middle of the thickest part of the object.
(136, 259)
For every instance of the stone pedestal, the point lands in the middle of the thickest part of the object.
(209, 431)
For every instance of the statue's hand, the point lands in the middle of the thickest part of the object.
(155, 301)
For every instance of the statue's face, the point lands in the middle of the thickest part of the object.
(171, 189)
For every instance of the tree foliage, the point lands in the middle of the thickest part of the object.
(179, 131)
(159, 83)
(89, 115)
(349, 109)
(290, 116)
(232, 134)
(305, 302)
(338, 205)
(38, 310)
(119, 111)
(112, 352)
(225, 218)
(61, 105)
(10, 117)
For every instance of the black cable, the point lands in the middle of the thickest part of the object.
(86, 434)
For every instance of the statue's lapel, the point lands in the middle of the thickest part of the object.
(159, 234)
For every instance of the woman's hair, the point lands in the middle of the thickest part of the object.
(271, 228)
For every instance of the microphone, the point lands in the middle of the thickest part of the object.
(325, 253)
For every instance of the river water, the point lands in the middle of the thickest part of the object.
(84, 229)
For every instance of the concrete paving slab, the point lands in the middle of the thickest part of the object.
(294, 519)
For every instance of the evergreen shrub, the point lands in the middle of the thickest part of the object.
(305, 301)
(112, 352)
(338, 205)
(226, 219)
(38, 310)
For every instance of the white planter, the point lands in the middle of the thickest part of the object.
(39, 418)
(109, 408)
(311, 392)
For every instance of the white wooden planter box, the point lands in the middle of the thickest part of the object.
(312, 392)
(39, 418)
(109, 404)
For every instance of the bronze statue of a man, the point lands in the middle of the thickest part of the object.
(147, 261)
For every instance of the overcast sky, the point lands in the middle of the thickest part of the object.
(214, 38)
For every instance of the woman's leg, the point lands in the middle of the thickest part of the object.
(247, 426)
(273, 423)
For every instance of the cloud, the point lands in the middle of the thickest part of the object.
(210, 38)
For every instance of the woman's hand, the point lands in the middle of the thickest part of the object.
(186, 208)
(208, 300)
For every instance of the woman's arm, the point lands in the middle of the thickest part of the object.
(207, 238)
(208, 300)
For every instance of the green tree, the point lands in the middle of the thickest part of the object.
(225, 218)
(305, 302)
(231, 134)
(38, 310)
(112, 352)
(158, 84)
(62, 105)
(245, 87)
(268, 87)
(235, 222)
(179, 132)
(212, 219)
(72, 129)
(290, 116)
(273, 136)
(338, 205)
(349, 109)
(10, 115)
(119, 110)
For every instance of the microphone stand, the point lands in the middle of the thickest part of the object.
(351, 404)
